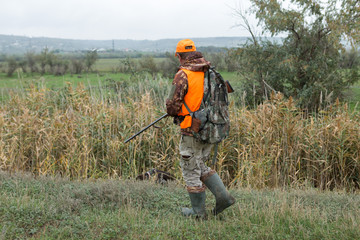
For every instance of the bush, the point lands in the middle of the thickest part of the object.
(90, 59)
(148, 64)
(11, 66)
(169, 66)
(77, 66)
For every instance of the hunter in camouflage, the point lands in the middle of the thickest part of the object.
(193, 61)
(194, 153)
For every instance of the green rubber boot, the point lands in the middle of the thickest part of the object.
(198, 205)
(222, 196)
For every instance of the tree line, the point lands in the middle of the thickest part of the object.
(263, 65)
(48, 62)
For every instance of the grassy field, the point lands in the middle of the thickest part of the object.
(56, 208)
(107, 65)
(111, 64)
(78, 132)
(51, 81)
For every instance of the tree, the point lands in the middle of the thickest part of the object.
(22, 64)
(217, 60)
(51, 60)
(169, 66)
(76, 66)
(11, 66)
(127, 65)
(90, 59)
(60, 66)
(148, 64)
(43, 60)
(31, 61)
(306, 64)
(350, 59)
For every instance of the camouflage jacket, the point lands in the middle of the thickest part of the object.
(194, 61)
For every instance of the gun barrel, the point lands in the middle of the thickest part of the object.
(145, 128)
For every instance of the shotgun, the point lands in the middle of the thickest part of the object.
(145, 128)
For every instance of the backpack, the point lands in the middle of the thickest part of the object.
(212, 118)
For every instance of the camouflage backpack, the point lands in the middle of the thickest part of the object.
(212, 119)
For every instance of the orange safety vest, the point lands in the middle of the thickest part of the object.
(193, 97)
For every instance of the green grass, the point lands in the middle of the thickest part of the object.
(56, 208)
(230, 76)
(110, 64)
(19, 83)
(51, 81)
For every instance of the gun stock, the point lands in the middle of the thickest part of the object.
(229, 87)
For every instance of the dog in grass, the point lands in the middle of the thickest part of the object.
(158, 175)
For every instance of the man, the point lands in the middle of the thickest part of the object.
(188, 87)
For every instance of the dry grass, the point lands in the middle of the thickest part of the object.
(75, 134)
(276, 146)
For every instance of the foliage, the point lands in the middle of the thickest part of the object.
(148, 64)
(77, 66)
(11, 66)
(217, 60)
(31, 61)
(232, 60)
(44, 59)
(306, 65)
(90, 59)
(169, 66)
(22, 64)
(350, 59)
(48, 62)
(127, 65)
(349, 18)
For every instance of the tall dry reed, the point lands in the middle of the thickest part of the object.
(70, 133)
(77, 134)
(276, 145)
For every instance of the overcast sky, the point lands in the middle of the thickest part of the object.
(121, 19)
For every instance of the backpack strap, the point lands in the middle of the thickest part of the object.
(187, 107)
(208, 90)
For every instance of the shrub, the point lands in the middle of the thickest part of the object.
(11, 66)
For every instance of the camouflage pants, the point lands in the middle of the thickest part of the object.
(194, 154)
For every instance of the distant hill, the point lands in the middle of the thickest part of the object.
(19, 44)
